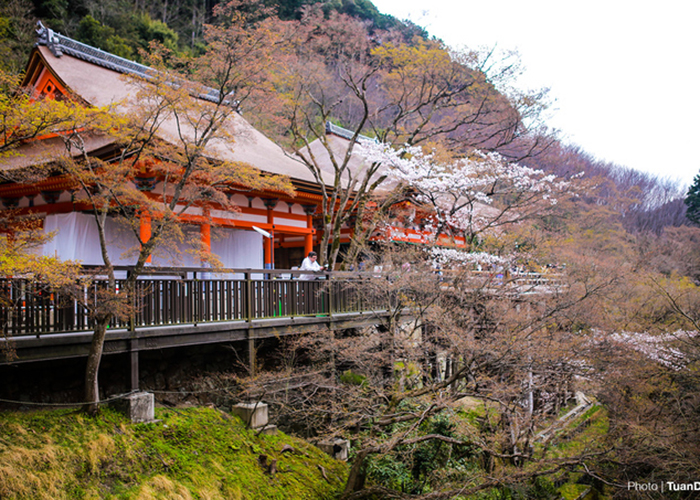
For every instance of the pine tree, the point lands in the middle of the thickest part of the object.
(692, 201)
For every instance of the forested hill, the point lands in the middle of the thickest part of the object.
(122, 27)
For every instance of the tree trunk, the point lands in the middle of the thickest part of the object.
(356, 478)
(323, 255)
(92, 390)
(335, 248)
(530, 394)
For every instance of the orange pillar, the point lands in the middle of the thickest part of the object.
(205, 235)
(308, 241)
(267, 252)
(145, 229)
(309, 238)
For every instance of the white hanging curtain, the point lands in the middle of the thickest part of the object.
(77, 238)
(237, 249)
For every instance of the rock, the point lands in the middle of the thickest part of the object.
(138, 406)
(254, 415)
(268, 430)
(338, 448)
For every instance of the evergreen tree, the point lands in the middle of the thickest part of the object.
(692, 201)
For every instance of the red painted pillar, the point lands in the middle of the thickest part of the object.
(309, 238)
(205, 235)
(267, 252)
(145, 229)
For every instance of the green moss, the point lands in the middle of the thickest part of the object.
(572, 491)
(189, 454)
(351, 378)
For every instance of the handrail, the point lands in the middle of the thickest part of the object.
(174, 271)
(170, 296)
(28, 307)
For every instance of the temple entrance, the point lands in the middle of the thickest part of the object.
(287, 258)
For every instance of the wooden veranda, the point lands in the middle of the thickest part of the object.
(181, 307)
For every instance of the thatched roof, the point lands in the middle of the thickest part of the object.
(338, 140)
(102, 79)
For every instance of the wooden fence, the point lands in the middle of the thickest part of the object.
(181, 296)
(30, 308)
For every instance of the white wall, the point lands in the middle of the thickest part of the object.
(238, 248)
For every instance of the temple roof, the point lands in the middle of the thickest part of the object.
(102, 79)
(338, 140)
(60, 44)
(345, 133)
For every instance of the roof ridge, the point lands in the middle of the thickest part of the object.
(346, 133)
(60, 44)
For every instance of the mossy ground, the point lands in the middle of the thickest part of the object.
(193, 453)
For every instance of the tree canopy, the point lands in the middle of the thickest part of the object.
(692, 201)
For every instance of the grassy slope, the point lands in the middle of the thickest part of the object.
(194, 453)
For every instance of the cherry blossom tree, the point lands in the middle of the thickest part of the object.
(471, 195)
(378, 85)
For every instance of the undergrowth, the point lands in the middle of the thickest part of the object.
(189, 454)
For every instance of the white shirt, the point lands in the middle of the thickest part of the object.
(309, 265)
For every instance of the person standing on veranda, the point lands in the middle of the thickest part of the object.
(309, 264)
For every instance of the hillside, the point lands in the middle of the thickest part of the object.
(189, 453)
(124, 27)
(127, 27)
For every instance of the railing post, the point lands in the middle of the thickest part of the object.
(249, 319)
(248, 297)
(196, 296)
(330, 296)
(133, 339)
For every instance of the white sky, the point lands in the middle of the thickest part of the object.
(623, 73)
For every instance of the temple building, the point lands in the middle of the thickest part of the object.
(59, 66)
(267, 229)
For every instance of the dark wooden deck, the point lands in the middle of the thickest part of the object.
(187, 307)
(180, 307)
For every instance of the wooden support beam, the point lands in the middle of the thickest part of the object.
(134, 364)
(249, 320)
(251, 356)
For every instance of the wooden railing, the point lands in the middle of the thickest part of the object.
(183, 297)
